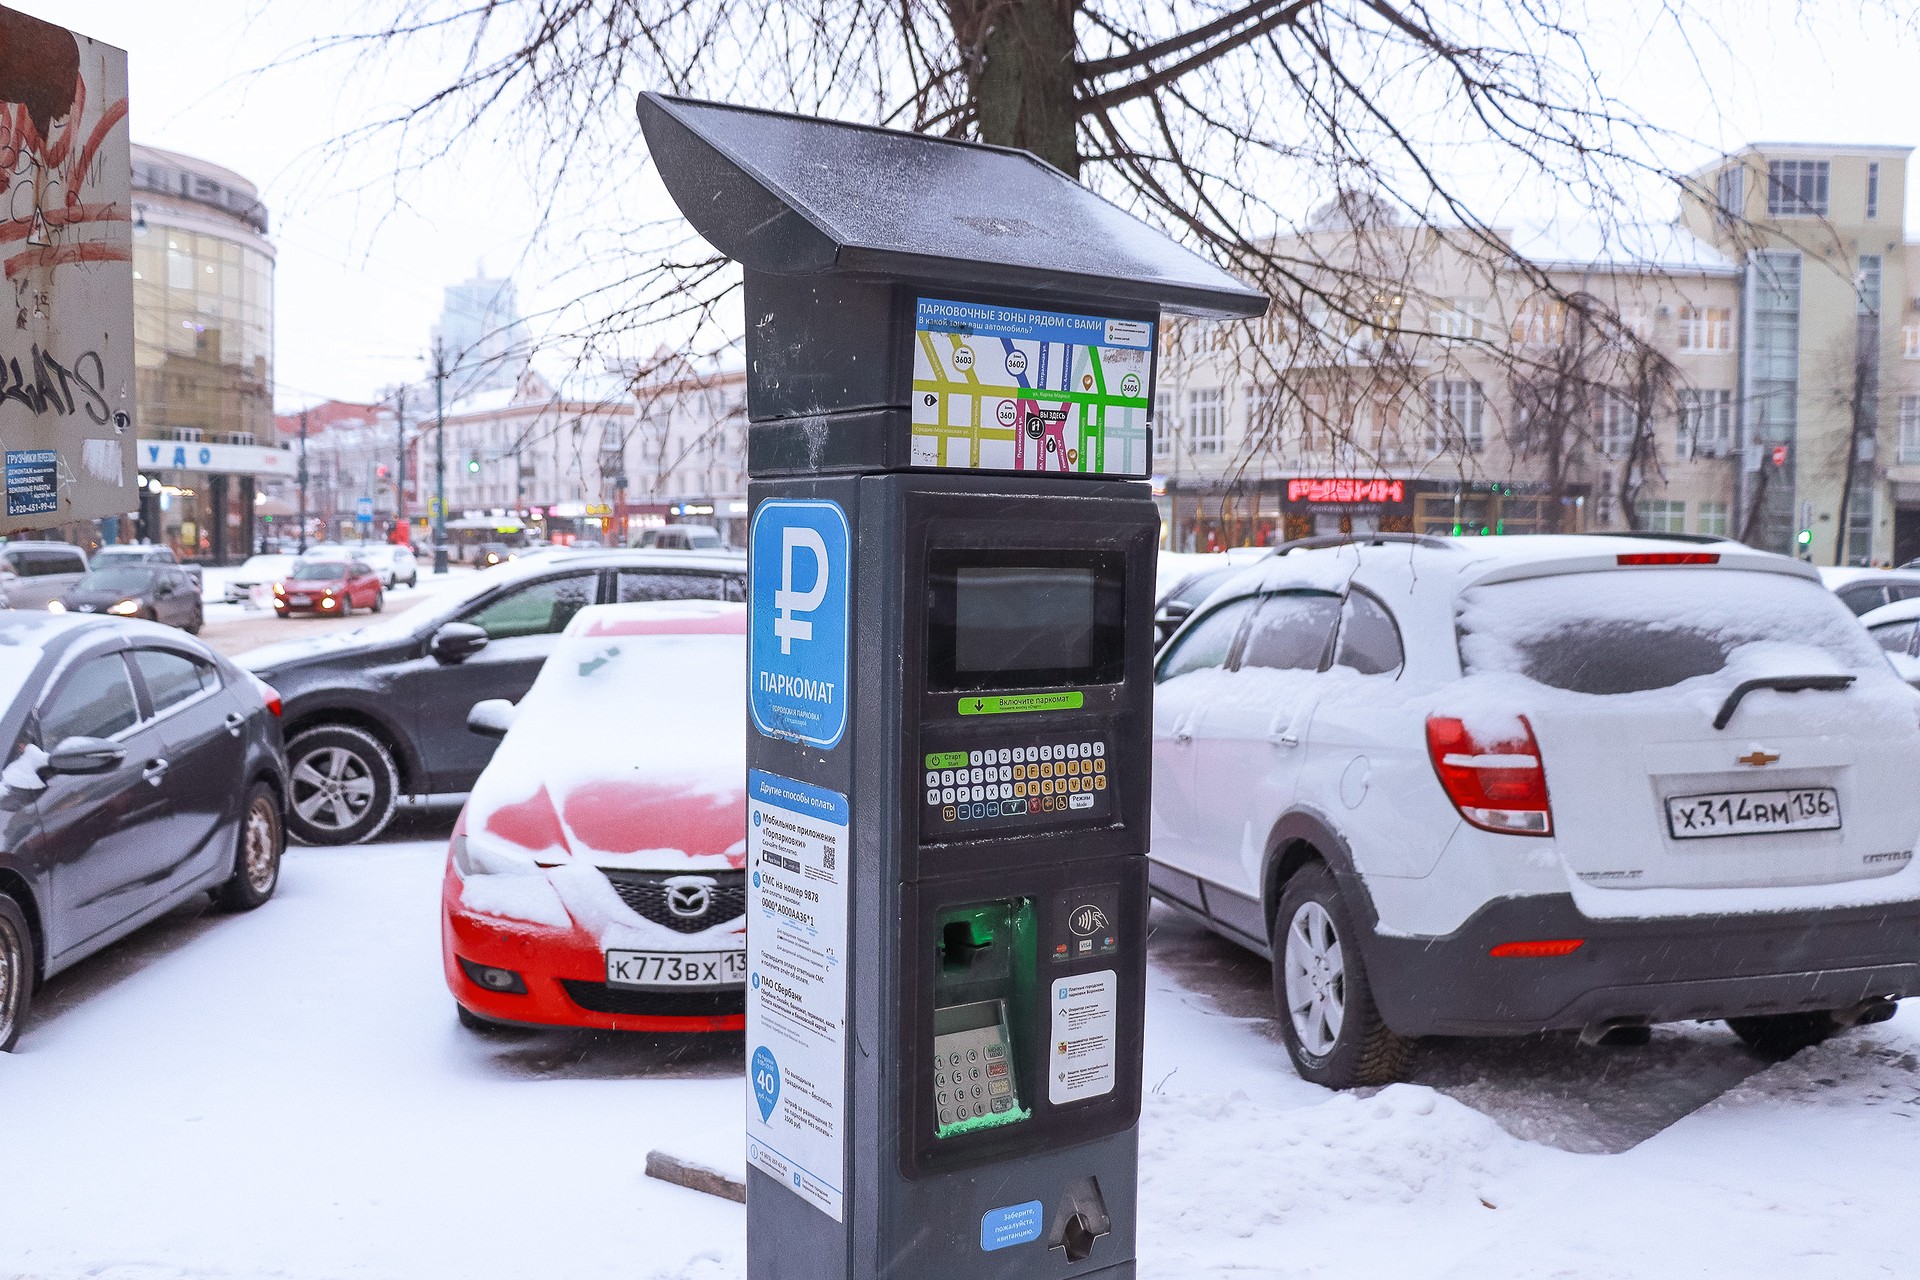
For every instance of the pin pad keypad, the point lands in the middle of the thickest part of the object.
(1032, 782)
(972, 1075)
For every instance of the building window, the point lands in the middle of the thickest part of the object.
(1797, 188)
(1910, 342)
(1910, 429)
(1873, 190)
(1464, 320)
(1712, 520)
(1867, 300)
(1205, 418)
(1705, 329)
(1706, 424)
(1540, 324)
(1731, 193)
(1615, 429)
(1163, 424)
(1455, 412)
(1663, 516)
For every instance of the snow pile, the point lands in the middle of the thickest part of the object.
(1222, 1177)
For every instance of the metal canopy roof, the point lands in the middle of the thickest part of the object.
(793, 195)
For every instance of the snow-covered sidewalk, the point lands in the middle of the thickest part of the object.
(287, 1094)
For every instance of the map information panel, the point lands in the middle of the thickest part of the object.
(1013, 389)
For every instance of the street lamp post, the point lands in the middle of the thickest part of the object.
(403, 529)
(303, 481)
(439, 457)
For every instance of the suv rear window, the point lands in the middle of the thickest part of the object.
(1650, 628)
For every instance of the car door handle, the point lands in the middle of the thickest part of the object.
(1284, 738)
(235, 723)
(154, 772)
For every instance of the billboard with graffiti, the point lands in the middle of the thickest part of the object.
(66, 249)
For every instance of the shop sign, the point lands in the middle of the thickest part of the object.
(218, 459)
(1346, 490)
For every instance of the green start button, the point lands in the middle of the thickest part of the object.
(1011, 703)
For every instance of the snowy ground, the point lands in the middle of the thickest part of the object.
(286, 1094)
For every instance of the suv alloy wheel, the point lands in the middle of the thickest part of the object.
(1333, 1032)
(342, 785)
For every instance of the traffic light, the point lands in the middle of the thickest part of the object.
(1806, 537)
(473, 463)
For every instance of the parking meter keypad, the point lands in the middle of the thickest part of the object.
(971, 1075)
(1031, 781)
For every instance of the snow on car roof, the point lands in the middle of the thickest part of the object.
(1839, 576)
(660, 618)
(1898, 611)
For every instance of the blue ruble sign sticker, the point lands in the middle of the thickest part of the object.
(798, 633)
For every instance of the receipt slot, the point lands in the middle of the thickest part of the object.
(951, 352)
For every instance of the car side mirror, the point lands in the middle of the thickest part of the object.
(1168, 617)
(492, 718)
(85, 755)
(456, 642)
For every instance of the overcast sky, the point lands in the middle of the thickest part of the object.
(360, 274)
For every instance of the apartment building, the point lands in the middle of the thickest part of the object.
(1829, 389)
(1703, 376)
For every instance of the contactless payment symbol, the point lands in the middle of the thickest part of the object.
(766, 1081)
(797, 635)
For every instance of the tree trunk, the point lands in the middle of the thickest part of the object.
(1024, 88)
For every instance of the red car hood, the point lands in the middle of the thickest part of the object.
(659, 824)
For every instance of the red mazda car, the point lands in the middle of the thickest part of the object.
(597, 874)
(327, 587)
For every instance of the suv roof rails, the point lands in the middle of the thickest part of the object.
(1360, 540)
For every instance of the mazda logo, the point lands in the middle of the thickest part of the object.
(689, 896)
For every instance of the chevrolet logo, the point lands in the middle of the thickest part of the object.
(1758, 757)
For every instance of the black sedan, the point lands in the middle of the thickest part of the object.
(381, 712)
(142, 769)
(162, 593)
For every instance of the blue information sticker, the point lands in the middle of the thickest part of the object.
(1015, 1224)
(33, 481)
(797, 634)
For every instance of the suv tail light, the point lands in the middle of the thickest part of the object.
(1668, 557)
(1497, 786)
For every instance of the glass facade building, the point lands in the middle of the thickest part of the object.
(203, 351)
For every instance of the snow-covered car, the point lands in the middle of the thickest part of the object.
(1896, 629)
(596, 875)
(257, 571)
(395, 564)
(1509, 785)
(1862, 590)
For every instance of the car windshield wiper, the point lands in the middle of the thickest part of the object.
(1782, 684)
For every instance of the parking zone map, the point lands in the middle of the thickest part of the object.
(1013, 389)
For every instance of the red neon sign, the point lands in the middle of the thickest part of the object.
(1346, 489)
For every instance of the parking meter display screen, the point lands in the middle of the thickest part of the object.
(1024, 620)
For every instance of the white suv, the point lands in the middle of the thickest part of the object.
(1507, 785)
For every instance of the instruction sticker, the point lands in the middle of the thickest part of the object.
(797, 986)
(1084, 1028)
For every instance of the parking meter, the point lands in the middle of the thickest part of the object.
(950, 369)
